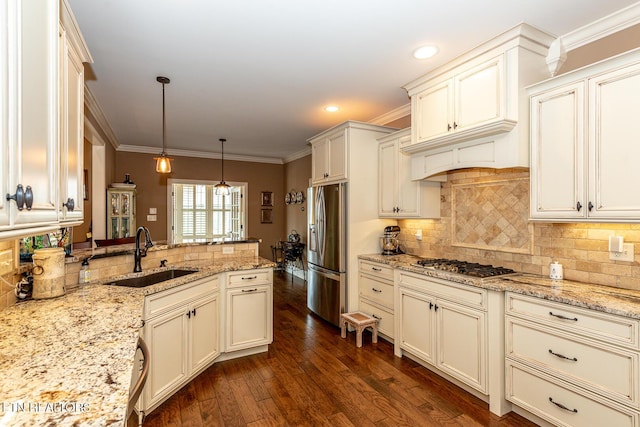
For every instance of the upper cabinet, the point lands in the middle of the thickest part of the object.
(584, 132)
(41, 118)
(334, 152)
(398, 195)
(467, 113)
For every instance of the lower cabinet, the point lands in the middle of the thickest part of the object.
(441, 332)
(182, 337)
(375, 283)
(572, 366)
(249, 314)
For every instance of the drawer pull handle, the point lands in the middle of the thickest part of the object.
(376, 317)
(560, 316)
(376, 290)
(249, 277)
(561, 406)
(561, 356)
(376, 269)
(250, 290)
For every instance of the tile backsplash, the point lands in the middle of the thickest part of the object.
(509, 239)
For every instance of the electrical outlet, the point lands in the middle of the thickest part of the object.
(418, 234)
(625, 255)
(6, 261)
(227, 249)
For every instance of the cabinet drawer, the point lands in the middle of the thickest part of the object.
(386, 321)
(375, 290)
(461, 294)
(249, 277)
(382, 271)
(162, 301)
(542, 395)
(613, 371)
(613, 329)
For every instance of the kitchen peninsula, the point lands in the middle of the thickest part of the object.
(69, 360)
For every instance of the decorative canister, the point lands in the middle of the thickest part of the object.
(555, 271)
(48, 273)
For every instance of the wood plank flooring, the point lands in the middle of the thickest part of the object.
(312, 377)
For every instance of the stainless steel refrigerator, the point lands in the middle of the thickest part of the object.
(326, 249)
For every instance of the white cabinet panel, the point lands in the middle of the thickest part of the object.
(416, 327)
(204, 327)
(434, 112)
(249, 317)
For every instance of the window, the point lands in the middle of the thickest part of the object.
(196, 214)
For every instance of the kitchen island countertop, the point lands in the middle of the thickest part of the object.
(623, 302)
(68, 360)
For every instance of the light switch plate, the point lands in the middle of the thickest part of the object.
(227, 249)
(153, 211)
(152, 218)
(616, 243)
(625, 255)
(6, 262)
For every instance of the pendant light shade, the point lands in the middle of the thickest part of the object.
(163, 162)
(222, 188)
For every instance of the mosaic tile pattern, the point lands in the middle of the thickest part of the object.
(492, 215)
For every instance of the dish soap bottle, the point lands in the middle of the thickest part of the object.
(84, 275)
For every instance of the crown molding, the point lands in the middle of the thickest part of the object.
(98, 119)
(398, 113)
(298, 155)
(603, 27)
(201, 154)
(72, 30)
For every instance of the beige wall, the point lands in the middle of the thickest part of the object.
(152, 190)
(296, 178)
(582, 248)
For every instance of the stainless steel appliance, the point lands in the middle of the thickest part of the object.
(389, 240)
(326, 249)
(465, 268)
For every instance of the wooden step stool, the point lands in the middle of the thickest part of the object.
(359, 321)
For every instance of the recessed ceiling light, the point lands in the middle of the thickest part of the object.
(425, 52)
(331, 108)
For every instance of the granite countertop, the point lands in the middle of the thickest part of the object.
(607, 299)
(68, 361)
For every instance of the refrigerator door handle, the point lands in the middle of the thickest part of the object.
(328, 273)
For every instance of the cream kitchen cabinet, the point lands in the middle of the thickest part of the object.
(555, 357)
(375, 282)
(335, 152)
(398, 195)
(473, 97)
(249, 309)
(468, 113)
(34, 121)
(583, 142)
(445, 325)
(181, 331)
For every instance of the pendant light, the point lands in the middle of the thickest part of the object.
(163, 163)
(222, 188)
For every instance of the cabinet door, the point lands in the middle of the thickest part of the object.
(338, 156)
(249, 317)
(557, 153)
(166, 336)
(461, 340)
(479, 95)
(416, 327)
(35, 147)
(203, 327)
(5, 106)
(319, 160)
(614, 99)
(409, 197)
(433, 111)
(387, 176)
(72, 134)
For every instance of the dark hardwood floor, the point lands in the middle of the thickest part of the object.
(312, 377)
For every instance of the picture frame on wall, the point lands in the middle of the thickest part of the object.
(266, 216)
(267, 198)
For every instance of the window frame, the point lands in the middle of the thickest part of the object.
(171, 200)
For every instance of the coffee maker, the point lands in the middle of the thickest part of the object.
(389, 241)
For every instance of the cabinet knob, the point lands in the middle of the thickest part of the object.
(578, 206)
(250, 290)
(455, 125)
(22, 197)
(70, 205)
(590, 206)
(448, 127)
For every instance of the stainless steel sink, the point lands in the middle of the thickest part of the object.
(151, 279)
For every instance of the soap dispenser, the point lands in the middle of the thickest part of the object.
(84, 275)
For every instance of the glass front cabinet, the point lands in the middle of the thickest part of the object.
(121, 213)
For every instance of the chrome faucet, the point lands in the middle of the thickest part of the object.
(139, 253)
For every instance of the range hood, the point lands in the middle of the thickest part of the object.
(474, 110)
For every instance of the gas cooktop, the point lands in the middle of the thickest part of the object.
(463, 267)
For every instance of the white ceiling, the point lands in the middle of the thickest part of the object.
(260, 72)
